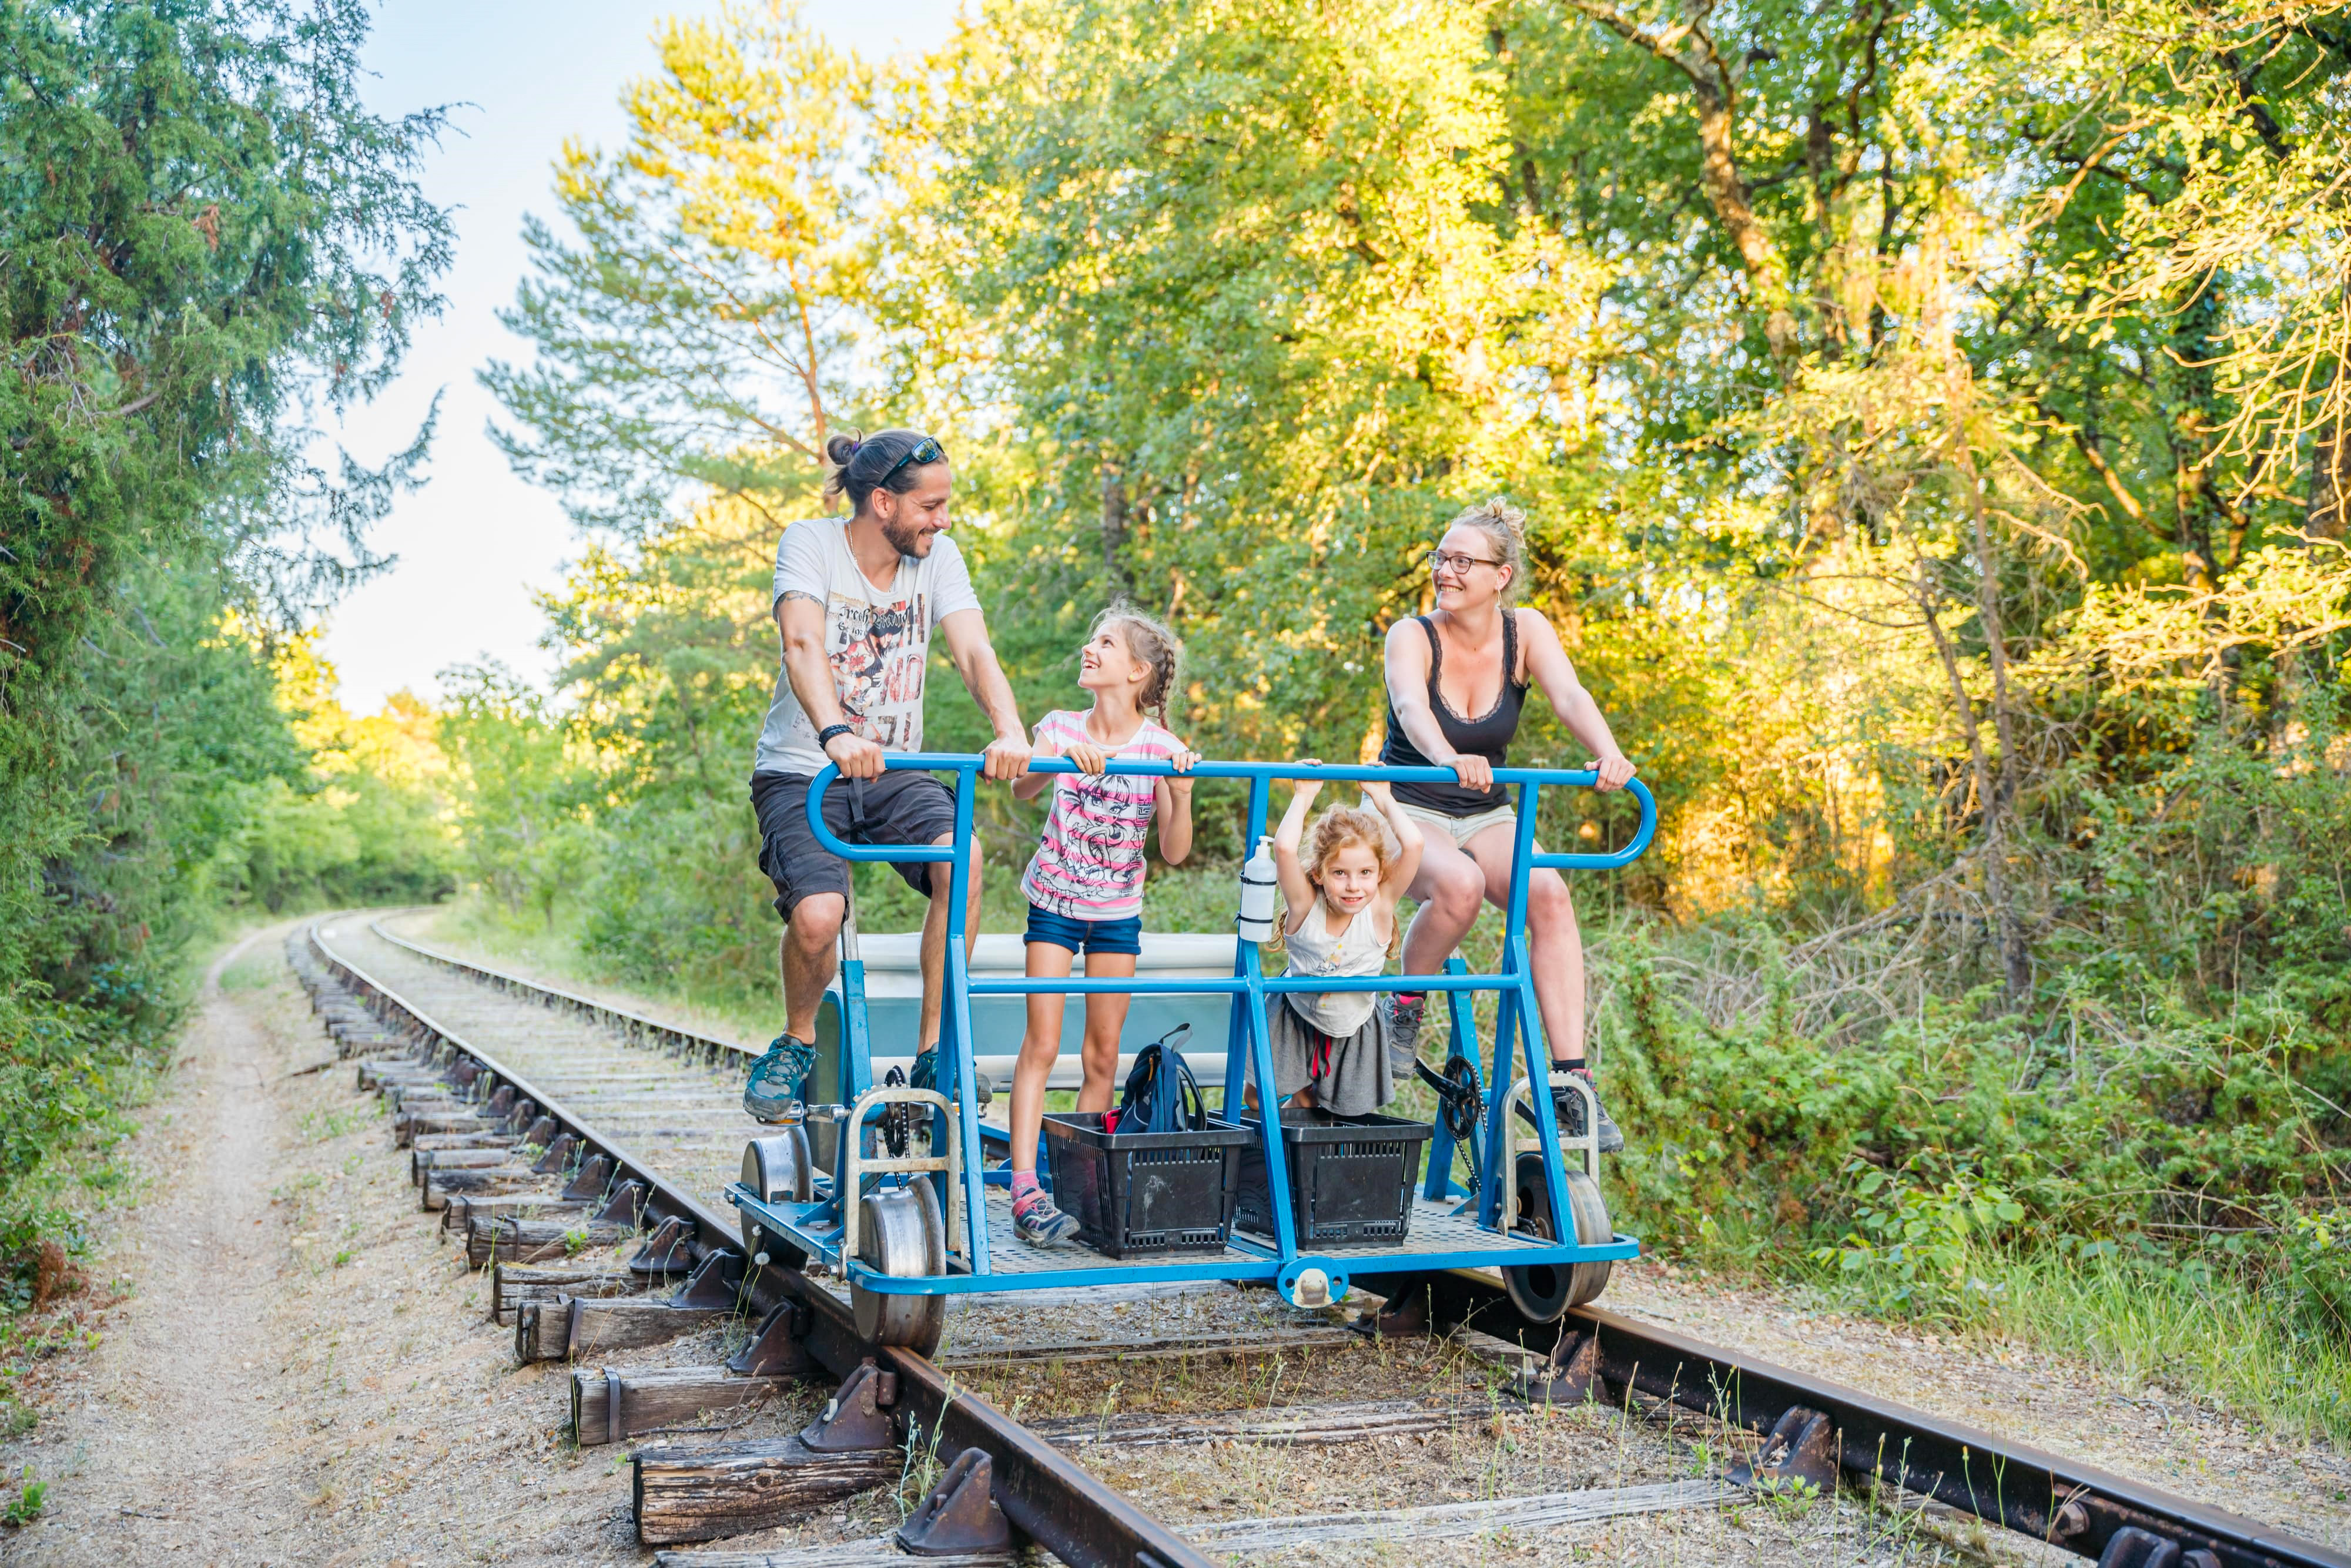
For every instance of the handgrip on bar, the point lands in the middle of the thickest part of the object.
(944, 762)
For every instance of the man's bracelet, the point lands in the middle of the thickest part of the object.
(824, 737)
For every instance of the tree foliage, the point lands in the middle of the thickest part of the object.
(1932, 419)
(208, 241)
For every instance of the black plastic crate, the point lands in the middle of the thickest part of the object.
(1145, 1192)
(1350, 1177)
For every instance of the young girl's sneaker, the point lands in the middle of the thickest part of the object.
(1036, 1220)
(1406, 1014)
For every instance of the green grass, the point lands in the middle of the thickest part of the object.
(2202, 1333)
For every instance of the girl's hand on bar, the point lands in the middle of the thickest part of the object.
(1088, 758)
(1616, 772)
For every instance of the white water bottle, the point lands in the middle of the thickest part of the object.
(1258, 889)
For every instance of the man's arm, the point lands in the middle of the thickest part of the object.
(1548, 665)
(800, 619)
(975, 660)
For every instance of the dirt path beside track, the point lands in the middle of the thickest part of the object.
(295, 1372)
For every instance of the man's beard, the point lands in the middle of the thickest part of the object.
(907, 539)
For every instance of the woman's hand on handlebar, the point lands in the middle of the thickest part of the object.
(1614, 772)
(856, 757)
(1475, 772)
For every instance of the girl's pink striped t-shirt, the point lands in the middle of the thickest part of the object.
(1089, 865)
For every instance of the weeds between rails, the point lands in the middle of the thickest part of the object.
(1255, 1404)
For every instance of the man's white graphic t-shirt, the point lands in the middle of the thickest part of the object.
(877, 640)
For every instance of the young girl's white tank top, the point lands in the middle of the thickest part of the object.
(1356, 950)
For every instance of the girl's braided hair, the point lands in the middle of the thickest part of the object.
(1155, 647)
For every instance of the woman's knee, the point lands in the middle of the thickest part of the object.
(1453, 890)
(1548, 901)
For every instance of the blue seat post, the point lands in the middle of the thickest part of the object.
(1256, 1037)
(954, 1026)
(1461, 1033)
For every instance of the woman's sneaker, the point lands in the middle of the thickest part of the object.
(1036, 1220)
(1570, 1106)
(773, 1091)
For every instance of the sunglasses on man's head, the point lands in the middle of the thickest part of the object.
(923, 453)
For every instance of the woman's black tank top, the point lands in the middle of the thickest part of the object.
(1488, 735)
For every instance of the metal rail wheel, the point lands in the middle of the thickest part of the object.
(901, 1237)
(1544, 1291)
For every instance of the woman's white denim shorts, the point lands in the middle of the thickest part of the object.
(1462, 830)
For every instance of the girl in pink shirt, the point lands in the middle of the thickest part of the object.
(1085, 881)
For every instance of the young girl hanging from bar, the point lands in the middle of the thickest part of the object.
(1084, 883)
(1340, 882)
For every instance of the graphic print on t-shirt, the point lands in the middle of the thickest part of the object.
(877, 667)
(1089, 863)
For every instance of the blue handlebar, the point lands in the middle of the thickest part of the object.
(948, 762)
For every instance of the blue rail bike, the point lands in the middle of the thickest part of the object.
(886, 1186)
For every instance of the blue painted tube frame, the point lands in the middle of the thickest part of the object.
(1519, 1029)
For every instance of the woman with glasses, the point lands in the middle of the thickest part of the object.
(1457, 682)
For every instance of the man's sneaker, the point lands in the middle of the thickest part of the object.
(773, 1091)
(1405, 1016)
(925, 1075)
(1039, 1222)
(1570, 1107)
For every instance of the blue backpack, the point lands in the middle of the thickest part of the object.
(1161, 1094)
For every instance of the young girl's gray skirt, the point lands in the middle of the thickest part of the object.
(1351, 1075)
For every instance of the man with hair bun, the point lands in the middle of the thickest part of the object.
(856, 599)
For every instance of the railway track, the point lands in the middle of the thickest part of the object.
(543, 1125)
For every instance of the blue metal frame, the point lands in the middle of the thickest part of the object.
(1518, 1030)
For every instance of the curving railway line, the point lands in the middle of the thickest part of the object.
(539, 1124)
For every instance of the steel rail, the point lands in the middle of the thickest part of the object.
(634, 1025)
(1045, 1494)
(2060, 1502)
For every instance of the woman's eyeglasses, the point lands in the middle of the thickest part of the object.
(1453, 560)
(924, 452)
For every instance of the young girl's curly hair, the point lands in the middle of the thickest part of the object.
(1336, 829)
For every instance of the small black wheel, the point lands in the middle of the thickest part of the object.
(1544, 1291)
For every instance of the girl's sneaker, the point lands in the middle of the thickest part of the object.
(1405, 1017)
(1036, 1220)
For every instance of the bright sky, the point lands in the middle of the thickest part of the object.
(475, 541)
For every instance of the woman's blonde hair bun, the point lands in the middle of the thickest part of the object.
(1505, 529)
